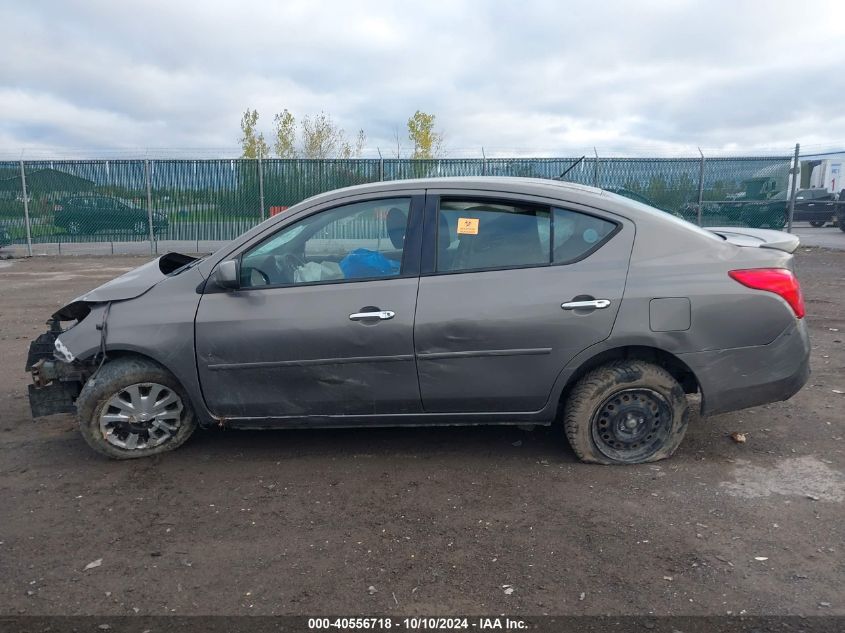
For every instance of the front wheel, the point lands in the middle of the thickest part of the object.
(133, 407)
(817, 223)
(626, 412)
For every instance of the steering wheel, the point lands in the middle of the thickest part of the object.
(279, 269)
(287, 264)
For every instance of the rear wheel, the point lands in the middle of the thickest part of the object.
(626, 412)
(817, 223)
(132, 408)
(74, 227)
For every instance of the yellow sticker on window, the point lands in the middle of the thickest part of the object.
(467, 226)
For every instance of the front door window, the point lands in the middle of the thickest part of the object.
(363, 240)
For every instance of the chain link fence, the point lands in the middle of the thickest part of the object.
(199, 200)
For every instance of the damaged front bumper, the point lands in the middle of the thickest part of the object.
(56, 378)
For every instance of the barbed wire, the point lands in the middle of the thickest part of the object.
(492, 152)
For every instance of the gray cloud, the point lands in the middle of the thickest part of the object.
(527, 77)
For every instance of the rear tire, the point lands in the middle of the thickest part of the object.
(165, 424)
(817, 223)
(626, 412)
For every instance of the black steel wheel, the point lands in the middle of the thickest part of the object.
(631, 425)
(626, 412)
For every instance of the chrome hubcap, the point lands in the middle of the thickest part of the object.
(141, 416)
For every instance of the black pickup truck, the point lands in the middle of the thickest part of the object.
(816, 206)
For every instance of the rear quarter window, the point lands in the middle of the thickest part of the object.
(578, 234)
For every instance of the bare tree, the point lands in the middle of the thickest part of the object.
(398, 140)
(321, 137)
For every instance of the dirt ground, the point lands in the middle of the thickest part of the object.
(422, 521)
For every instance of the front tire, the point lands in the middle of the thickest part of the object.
(133, 407)
(626, 412)
(777, 222)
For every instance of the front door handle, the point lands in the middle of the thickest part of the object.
(380, 314)
(598, 304)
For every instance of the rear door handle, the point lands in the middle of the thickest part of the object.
(598, 304)
(380, 314)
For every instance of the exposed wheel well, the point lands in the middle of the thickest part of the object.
(112, 354)
(668, 361)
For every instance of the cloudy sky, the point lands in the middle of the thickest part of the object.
(516, 77)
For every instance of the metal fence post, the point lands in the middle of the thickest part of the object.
(148, 179)
(596, 169)
(483, 162)
(793, 188)
(261, 185)
(26, 211)
(700, 185)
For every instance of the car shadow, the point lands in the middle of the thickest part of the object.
(542, 442)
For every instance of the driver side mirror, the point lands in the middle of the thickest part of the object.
(226, 275)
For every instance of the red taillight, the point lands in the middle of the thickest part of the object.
(778, 280)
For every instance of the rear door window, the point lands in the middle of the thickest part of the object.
(476, 235)
(481, 235)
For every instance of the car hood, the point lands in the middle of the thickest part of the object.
(128, 286)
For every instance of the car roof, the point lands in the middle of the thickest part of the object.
(480, 182)
(509, 184)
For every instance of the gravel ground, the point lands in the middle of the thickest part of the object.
(422, 521)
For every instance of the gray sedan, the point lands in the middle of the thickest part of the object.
(437, 302)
